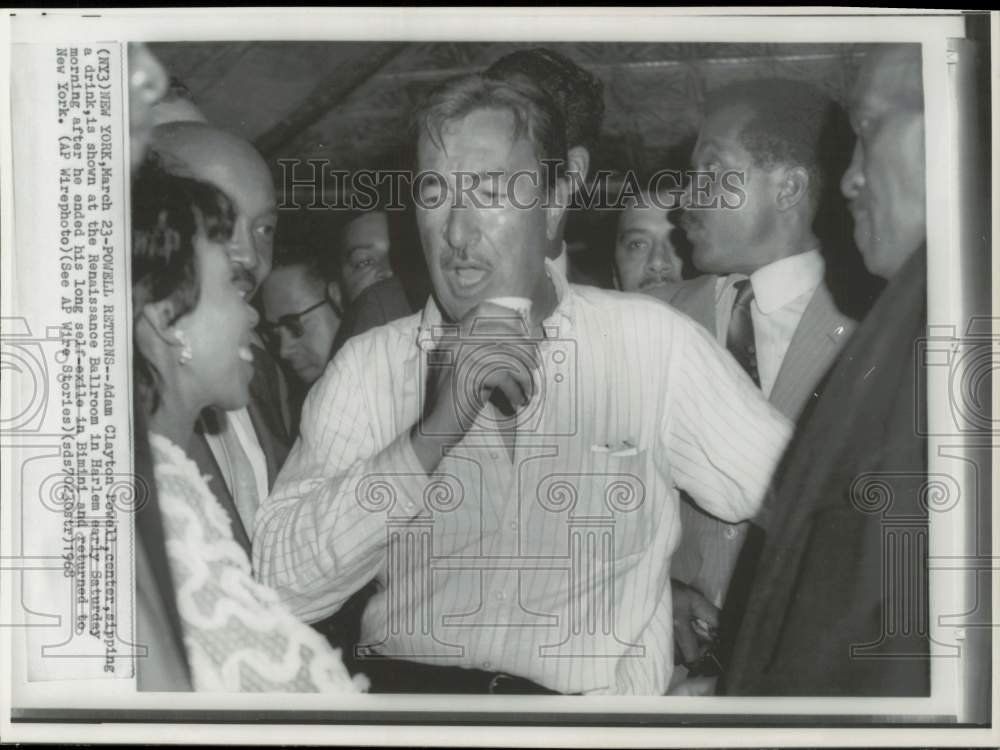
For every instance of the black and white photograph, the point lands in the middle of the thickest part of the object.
(572, 372)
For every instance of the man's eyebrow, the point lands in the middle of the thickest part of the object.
(633, 230)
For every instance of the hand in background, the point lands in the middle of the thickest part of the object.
(695, 621)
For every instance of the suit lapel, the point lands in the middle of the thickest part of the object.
(818, 338)
(203, 457)
(265, 414)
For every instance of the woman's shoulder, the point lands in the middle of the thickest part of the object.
(189, 508)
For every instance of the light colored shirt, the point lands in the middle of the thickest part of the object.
(239, 422)
(554, 566)
(782, 291)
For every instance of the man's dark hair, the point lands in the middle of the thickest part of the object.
(793, 123)
(315, 264)
(536, 116)
(578, 93)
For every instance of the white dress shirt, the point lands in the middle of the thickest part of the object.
(782, 291)
(241, 425)
(553, 566)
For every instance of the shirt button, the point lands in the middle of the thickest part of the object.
(494, 455)
(513, 525)
(730, 532)
(488, 666)
(500, 596)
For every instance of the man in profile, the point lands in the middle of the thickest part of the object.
(786, 141)
(820, 620)
(240, 451)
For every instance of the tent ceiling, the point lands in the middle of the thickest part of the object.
(349, 102)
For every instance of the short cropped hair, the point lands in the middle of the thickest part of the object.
(536, 116)
(577, 92)
(793, 123)
(316, 266)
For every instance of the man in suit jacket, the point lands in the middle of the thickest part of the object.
(820, 619)
(765, 298)
(240, 451)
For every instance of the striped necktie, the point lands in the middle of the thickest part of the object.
(740, 339)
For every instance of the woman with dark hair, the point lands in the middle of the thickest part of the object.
(191, 328)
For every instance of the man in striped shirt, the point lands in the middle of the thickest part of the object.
(507, 462)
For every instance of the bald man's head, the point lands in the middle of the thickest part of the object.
(231, 164)
(885, 181)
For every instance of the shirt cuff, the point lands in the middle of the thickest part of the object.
(396, 483)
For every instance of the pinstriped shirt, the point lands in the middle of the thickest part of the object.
(552, 564)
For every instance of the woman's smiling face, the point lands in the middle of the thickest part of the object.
(218, 331)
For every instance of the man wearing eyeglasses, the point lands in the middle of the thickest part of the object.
(301, 314)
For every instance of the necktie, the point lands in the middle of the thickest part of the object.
(741, 344)
(240, 476)
(740, 338)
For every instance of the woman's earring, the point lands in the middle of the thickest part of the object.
(186, 354)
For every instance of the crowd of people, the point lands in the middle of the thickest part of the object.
(404, 452)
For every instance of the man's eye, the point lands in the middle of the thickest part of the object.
(267, 230)
(431, 190)
(363, 263)
(636, 245)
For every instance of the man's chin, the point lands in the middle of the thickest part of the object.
(308, 375)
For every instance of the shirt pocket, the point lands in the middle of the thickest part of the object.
(615, 496)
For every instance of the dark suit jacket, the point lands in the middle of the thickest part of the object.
(847, 505)
(377, 305)
(709, 548)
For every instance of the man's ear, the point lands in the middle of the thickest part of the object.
(577, 167)
(335, 296)
(556, 208)
(557, 202)
(793, 188)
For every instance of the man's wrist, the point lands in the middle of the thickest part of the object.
(431, 442)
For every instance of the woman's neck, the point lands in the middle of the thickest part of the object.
(174, 420)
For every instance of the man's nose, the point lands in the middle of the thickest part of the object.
(383, 272)
(853, 179)
(659, 257)
(288, 343)
(241, 247)
(460, 229)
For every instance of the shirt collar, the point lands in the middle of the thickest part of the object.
(778, 283)
(559, 323)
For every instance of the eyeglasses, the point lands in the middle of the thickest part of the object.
(291, 323)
